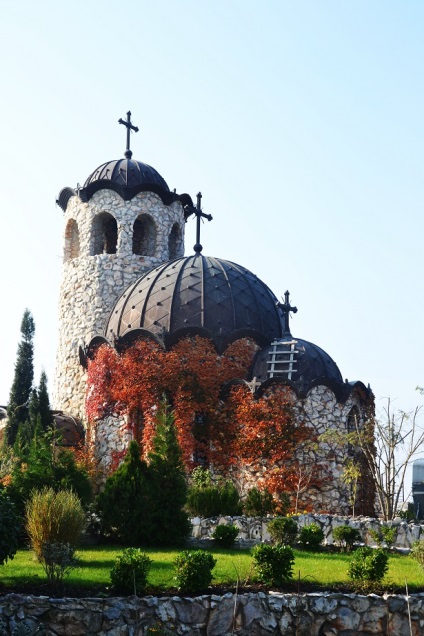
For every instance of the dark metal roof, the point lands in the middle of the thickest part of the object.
(197, 294)
(310, 364)
(128, 173)
(127, 177)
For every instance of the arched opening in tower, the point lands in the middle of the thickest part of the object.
(104, 234)
(175, 242)
(72, 242)
(144, 236)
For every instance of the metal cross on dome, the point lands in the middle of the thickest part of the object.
(286, 308)
(129, 126)
(199, 214)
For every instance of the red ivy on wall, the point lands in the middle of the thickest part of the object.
(257, 433)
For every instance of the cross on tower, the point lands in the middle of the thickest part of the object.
(286, 308)
(129, 126)
(199, 214)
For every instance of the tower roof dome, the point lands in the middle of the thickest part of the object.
(198, 295)
(128, 173)
(127, 177)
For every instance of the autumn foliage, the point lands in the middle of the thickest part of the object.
(262, 433)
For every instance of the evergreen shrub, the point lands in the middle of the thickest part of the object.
(283, 530)
(193, 570)
(44, 464)
(273, 563)
(130, 571)
(10, 528)
(311, 536)
(225, 536)
(124, 504)
(345, 537)
(170, 523)
(259, 503)
(368, 566)
(142, 504)
(214, 500)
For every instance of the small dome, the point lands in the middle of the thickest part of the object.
(197, 294)
(297, 360)
(127, 177)
(128, 173)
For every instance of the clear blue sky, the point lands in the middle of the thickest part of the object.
(301, 123)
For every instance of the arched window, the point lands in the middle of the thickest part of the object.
(174, 242)
(352, 425)
(144, 236)
(104, 234)
(72, 243)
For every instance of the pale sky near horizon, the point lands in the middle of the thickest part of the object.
(301, 123)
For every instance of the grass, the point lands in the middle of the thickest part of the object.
(317, 570)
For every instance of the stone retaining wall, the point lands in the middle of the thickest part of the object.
(254, 529)
(245, 615)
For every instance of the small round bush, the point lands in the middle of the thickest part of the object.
(283, 530)
(259, 503)
(225, 536)
(193, 570)
(273, 563)
(345, 537)
(384, 534)
(130, 570)
(311, 537)
(368, 566)
(417, 551)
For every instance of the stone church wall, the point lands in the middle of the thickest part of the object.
(319, 409)
(92, 283)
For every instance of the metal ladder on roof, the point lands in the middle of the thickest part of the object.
(282, 359)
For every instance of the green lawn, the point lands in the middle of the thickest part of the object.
(325, 570)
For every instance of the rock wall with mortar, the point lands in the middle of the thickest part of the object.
(209, 615)
(92, 283)
(254, 530)
(320, 410)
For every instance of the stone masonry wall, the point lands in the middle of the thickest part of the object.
(209, 615)
(91, 284)
(254, 529)
(321, 410)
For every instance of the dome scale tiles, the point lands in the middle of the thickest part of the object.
(197, 295)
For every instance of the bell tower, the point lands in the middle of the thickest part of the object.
(121, 223)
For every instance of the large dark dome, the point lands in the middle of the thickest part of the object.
(197, 294)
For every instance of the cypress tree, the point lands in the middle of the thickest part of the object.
(169, 483)
(124, 506)
(44, 411)
(18, 407)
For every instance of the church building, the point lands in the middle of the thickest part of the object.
(125, 276)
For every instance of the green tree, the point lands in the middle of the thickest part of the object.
(44, 463)
(44, 410)
(18, 407)
(124, 506)
(168, 481)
